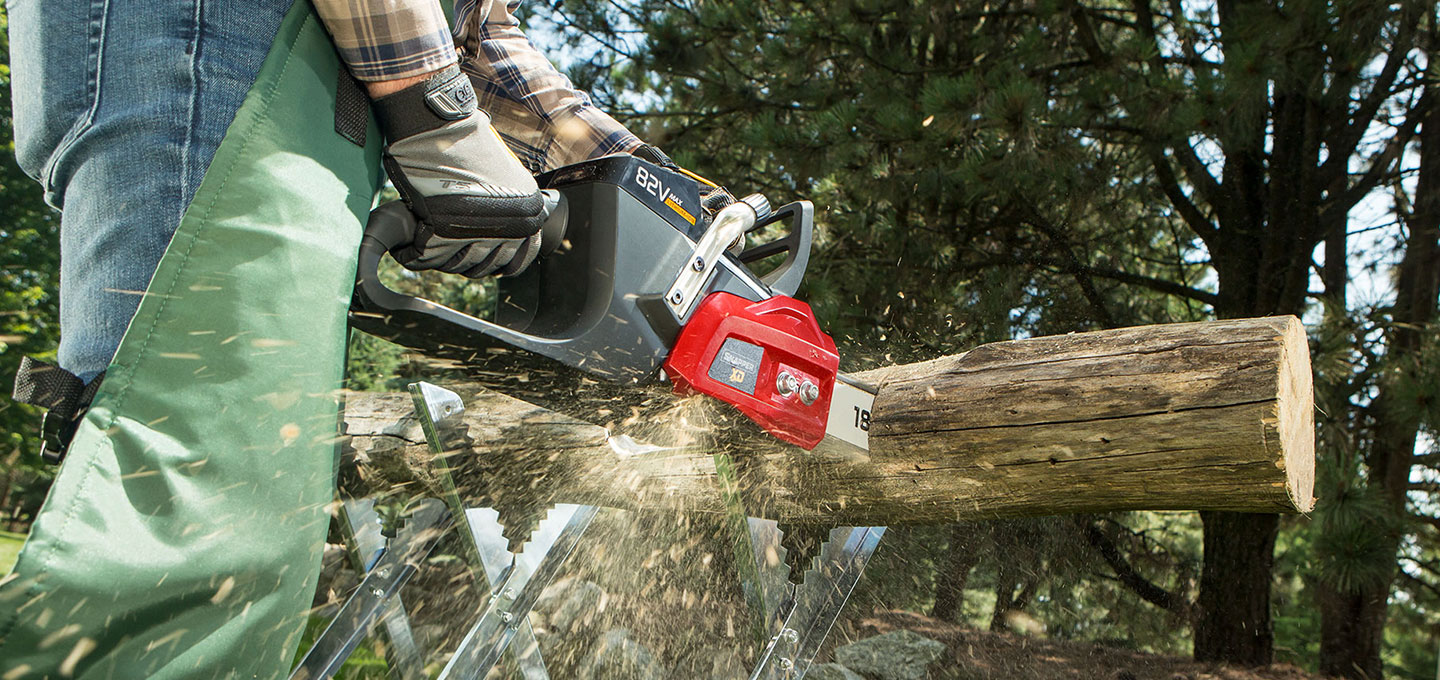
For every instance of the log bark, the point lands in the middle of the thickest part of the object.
(1197, 416)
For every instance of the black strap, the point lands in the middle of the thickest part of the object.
(652, 153)
(63, 395)
(352, 108)
(444, 97)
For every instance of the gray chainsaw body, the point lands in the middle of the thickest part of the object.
(594, 303)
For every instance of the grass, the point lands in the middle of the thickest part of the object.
(365, 663)
(9, 549)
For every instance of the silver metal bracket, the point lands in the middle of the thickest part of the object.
(730, 225)
(811, 609)
(440, 411)
(793, 619)
(425, 522)
(516, 580)
(515, 593)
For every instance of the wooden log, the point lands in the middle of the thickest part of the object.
(1197, 416)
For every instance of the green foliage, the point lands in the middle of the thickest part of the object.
(1356, 531)
(1414, 381)
(1049, 566)
(10, 544)
(926, 197)
(1297, 626)
(367, 662)
(1411, 638)
(986, 172)
(29, 291)
(1087, 604)
(373, 365)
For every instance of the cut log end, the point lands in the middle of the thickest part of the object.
(1295, 411)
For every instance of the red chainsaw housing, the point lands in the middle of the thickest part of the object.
(734, 350)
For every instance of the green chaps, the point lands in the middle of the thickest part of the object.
(183, 534)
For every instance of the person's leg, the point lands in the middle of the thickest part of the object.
(120, 105)
(182, 534)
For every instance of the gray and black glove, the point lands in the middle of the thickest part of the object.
(479, 210)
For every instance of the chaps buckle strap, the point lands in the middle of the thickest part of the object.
(63, 395)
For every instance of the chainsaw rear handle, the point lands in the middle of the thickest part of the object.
(387, 314)
(390, 226)
(393, 225)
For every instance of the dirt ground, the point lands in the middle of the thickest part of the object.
(982, 655)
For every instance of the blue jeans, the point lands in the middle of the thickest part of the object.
(119, 106)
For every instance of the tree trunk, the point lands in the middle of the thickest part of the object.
(1234, 616)
(1213, 416)
(963, 554)
(1352, 627)
(1353, 623)
(1005, 598)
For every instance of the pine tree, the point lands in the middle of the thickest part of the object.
(1033, 164)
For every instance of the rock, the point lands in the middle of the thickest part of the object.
(578, 609)
(831, 671)
(897, 655)
(616, 657)
(555, 594)
(570, 606)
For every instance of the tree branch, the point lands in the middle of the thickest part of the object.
(1350, 135)
(1160, 285)
(1132, 579)
(1421, 582)
(1196, 173)
(1071, 263)
(1381, 163)
(1426, 519)
(1194, 218)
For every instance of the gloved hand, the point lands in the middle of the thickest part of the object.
(713, 197)
(479, 210)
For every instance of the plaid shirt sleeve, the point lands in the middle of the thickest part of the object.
(388, 39)
(544, 119)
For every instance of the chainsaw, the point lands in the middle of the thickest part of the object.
(635, 287)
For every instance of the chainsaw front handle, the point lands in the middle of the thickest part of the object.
(785, 279)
